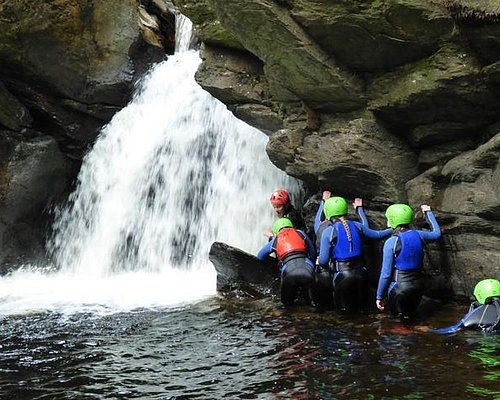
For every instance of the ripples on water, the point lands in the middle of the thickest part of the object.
(239, 350)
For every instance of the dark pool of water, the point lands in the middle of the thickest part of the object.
(223, 349)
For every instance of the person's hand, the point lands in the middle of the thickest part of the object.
(326, 195)
(358, 202)
(268, 232)
(380, 304)
(425, 208)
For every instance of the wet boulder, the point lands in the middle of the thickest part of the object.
(466, 198)
(32, 175)
(242, 274)
(357, 157)
(374, 35)
(295, 66)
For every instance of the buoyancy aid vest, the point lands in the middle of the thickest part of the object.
(346, 247)
(412, 251)
(288, 241)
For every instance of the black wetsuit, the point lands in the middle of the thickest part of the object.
(485, 317)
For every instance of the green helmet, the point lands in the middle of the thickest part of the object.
(280, 224)
(486, 289)
(335, 207)
(399, 214)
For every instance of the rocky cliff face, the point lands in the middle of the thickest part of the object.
(66, 67)
(390, 100)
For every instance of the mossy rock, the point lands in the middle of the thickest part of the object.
(449, 86)
(384, 34)
(206, 24)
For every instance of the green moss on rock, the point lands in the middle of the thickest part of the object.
(206, 24)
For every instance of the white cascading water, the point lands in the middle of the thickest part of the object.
(172, 172)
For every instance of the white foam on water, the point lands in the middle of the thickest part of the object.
(171, 173)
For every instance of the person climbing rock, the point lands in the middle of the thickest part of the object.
(296, 257)
(341, 252)
(400, 283)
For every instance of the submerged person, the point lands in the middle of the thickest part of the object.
(296, 256)
(341, 251)
(401, 281)
(484, 313)
(283, 207)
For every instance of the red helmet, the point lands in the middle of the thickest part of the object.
(280, 197)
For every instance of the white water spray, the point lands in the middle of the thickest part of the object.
(172, 172)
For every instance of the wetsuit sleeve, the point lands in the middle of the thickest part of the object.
(435, 233)
(372, 233)
(317, 218)
(310, 246)
(362, 216)
(450, 329)
(458, 326)
(387, 266)
(265, 250)
(324, 249)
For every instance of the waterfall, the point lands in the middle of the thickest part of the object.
(170, 174)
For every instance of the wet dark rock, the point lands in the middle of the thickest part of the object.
(33, 175)
(388, 100)
(242, 274)
(66, 69)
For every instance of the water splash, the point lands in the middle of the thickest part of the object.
(171, 173)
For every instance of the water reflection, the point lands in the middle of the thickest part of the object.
(486, 354)
(240, 350)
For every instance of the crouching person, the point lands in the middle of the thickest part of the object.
(296, 256)
(401, 281)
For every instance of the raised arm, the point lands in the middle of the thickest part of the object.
(319, 213)
(358, 206)
(317, 218)
(373, 233)
(435, 232)
(364, 226)
(324, 249)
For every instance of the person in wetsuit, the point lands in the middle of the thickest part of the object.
(400, 279)
(323, 291)
(296, 257)
(484, 313)
(282, 205)
(341, 253)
